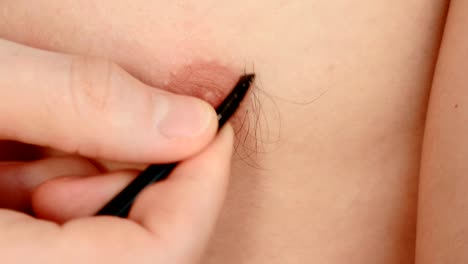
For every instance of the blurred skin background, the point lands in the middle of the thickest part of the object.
(328, 167)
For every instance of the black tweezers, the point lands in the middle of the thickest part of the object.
(120, 205)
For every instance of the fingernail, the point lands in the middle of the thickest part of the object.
(186, 118)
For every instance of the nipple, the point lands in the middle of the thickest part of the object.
(207, 80)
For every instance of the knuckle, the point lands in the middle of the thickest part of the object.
(91, 84)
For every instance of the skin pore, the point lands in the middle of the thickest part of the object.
(350, 81)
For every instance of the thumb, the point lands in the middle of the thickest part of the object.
(93, 107)
(180, 212)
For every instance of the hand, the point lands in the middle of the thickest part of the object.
(94, 108)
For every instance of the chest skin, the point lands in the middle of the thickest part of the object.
(326, 170)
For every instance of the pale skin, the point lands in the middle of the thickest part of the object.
(49, 186)
(345, 174)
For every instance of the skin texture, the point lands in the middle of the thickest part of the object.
(442, 221)
(343, 100)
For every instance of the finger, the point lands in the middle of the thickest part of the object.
(88, 240)
(66, 198)
(182, 210)
(93, 107)
(63, 199)
(19, 179)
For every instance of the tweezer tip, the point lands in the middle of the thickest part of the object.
(248, 78)
(245, 81)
